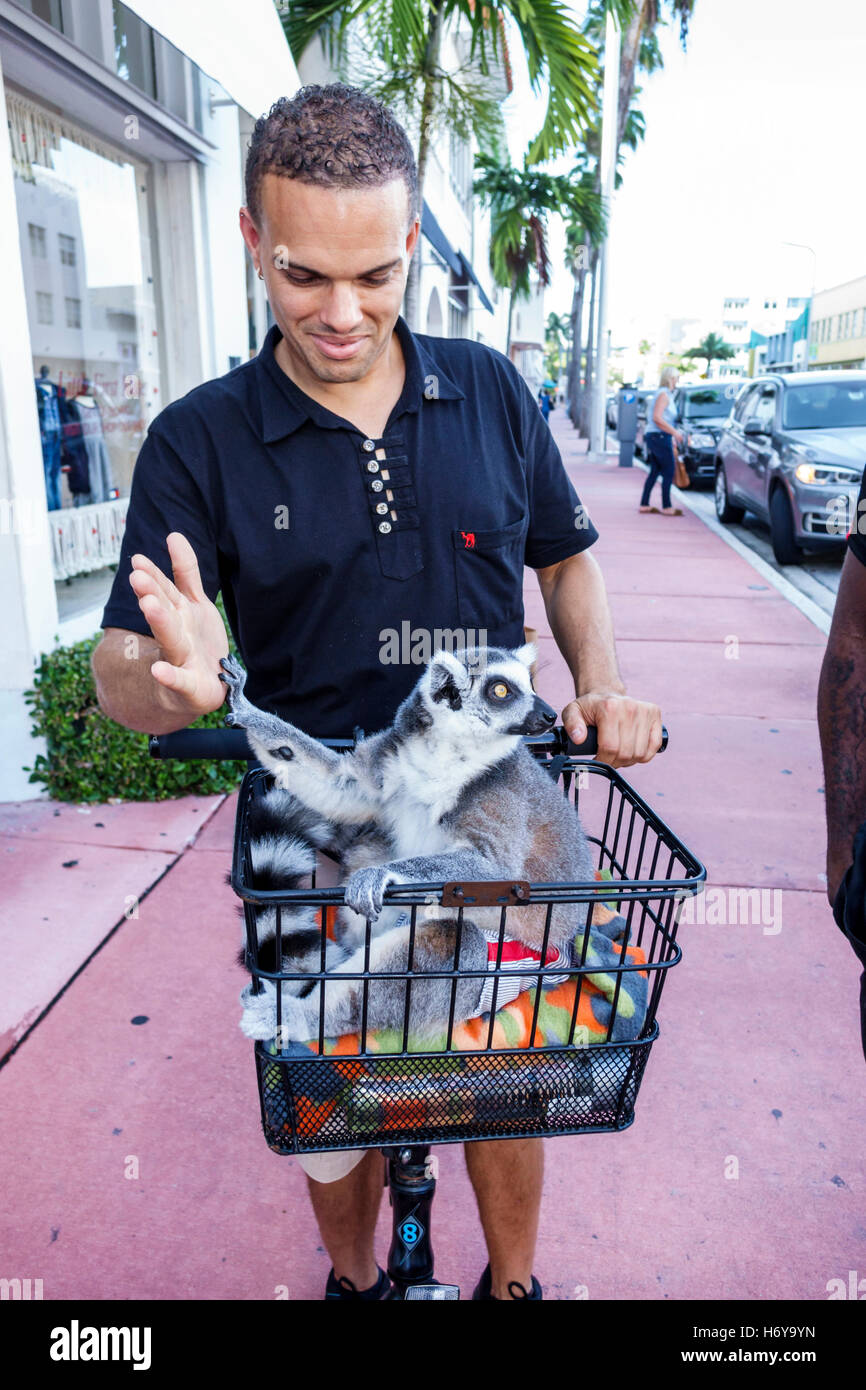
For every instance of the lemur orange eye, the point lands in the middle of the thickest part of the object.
(500, 690)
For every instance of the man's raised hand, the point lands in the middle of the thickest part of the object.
(187, 625)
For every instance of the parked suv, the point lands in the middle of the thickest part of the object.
(793, 452)
(702, 412)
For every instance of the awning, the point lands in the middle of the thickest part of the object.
(455, 260)
(474, 278)
(439, 241)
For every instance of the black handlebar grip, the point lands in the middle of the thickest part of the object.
(590, 743)
(216, 744)
(212, 744)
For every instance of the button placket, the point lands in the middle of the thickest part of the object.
(389, 485)
(377, 485)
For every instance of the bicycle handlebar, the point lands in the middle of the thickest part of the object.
(216, 745)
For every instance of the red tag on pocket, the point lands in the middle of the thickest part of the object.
(468, 540)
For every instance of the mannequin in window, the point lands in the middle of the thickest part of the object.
(50, 431)
(84, 410)
(75, 463)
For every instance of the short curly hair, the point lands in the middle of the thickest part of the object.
(337, 136)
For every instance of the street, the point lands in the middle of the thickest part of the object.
(816, 579)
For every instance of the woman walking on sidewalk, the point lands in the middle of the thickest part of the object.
(659, 439)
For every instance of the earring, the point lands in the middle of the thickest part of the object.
(261, 276)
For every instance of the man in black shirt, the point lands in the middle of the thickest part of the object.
(354, 491)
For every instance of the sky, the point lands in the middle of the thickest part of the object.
(754, 138)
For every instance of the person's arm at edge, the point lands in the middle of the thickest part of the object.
(575, 600)
(842, 721)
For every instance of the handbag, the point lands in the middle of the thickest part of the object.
(681, 477)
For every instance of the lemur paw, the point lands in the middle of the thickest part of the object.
(365, 890)
(234, 676)
(259, 1019)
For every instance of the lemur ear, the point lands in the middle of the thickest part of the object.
(448, 692)
(448, 677)
(527, 654)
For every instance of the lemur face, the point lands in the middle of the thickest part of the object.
(485, 691)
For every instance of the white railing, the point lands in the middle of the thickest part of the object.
(86, 538)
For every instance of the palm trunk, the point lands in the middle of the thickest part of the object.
(431, 67)
(577, 343)
(629, 52)
(511, 300)
(586, 396)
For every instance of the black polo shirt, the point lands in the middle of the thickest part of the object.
(341, 557)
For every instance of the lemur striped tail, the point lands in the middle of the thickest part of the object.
(284, 835)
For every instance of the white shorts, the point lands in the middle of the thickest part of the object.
(329, 1167)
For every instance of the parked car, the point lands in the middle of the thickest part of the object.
(793, 452)
(610, 410)
(703, 410)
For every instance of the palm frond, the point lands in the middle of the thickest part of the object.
(539, 240)
(304, 19)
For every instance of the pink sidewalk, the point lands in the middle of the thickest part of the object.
(757, 1071)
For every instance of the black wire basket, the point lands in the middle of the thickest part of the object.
(565, 1057)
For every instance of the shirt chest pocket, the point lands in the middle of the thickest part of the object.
(489, 573)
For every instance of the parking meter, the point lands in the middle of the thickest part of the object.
(626, 424)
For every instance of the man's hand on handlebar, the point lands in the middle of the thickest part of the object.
(629, 731)
(187, 626)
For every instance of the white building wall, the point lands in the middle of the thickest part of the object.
(28, 617)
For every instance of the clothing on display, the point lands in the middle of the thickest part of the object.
(90, 477)
(50, 431)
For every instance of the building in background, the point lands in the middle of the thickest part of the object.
(750, 319)
(125, 280)
(528, 331)
(838, 332)
(787, 350)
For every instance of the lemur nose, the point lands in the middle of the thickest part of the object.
(544, 711)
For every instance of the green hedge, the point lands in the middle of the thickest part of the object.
(90, 758)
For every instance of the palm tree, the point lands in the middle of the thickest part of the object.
(520, 202)
(556, 342)
(639, 48)
(404, 38)
(713, 348)
(576, 260)
(582, 252)
(639, 51)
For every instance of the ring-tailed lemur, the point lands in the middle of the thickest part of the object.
(449, 792)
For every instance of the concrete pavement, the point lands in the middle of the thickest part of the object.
(132, 1149)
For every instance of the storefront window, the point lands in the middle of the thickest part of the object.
(83, 224)
(49, 10)
(133, 50)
